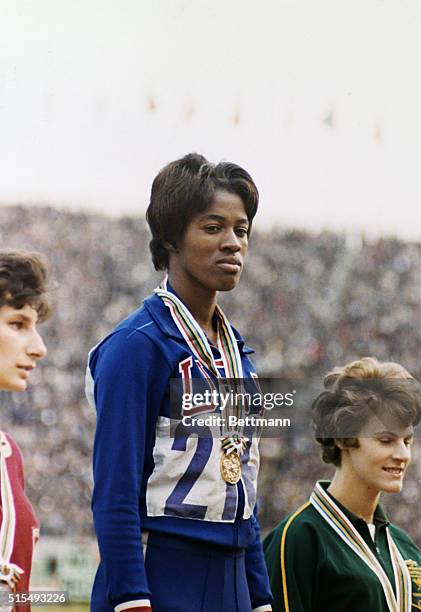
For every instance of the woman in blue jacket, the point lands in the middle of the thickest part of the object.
(174, 511)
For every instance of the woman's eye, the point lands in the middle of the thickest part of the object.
(241, 232)
(212, 229)
(16, 324)
(385, 440)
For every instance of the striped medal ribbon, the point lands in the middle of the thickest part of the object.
(234, 443)
(10, 573)
(347, 532)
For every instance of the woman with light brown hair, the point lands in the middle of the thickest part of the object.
(338, 552)
(23, 305)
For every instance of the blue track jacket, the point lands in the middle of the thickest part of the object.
(145, 480)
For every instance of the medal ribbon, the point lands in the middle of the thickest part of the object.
(196, 338)
(347, 532)
(198, 343)
(9, 572)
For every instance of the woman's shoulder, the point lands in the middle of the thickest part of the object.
(297, 525)
(13, 456)
(5, 435)
(296, 538)
(135, 339)
(405, 543)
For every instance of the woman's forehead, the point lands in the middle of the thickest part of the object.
(226, 204)
(385, 424)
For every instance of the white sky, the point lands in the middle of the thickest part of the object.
(97, 95)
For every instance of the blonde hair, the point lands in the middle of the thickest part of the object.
(356, 391)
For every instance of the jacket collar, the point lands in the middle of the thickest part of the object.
(162, 317)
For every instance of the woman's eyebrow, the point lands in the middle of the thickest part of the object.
(393, 434)
(21, 316)
(215, 217)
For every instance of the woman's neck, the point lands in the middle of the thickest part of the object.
(355, 496)
(200, 301)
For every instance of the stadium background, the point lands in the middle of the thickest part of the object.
(306, 302)
(317, 99)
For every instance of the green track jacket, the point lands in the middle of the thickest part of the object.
(312, 569)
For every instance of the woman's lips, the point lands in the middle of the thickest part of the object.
(25, 370)
(394, 471)
(232, 266)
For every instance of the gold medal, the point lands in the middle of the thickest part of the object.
(231, 467)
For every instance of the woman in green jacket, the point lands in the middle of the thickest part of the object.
(338, 552)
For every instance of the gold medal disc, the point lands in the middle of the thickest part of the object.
(231, 467)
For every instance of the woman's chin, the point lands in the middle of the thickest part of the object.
(15, 386)
(393, 487)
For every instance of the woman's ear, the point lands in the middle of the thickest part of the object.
(170, 246)
(346, 443)
(339, 442)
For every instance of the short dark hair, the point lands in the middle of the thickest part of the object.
(356, 391)
(23, 280)
(186, 187)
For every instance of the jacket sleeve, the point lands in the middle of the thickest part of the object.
(127, 370)
(292, 558)
(257, 575)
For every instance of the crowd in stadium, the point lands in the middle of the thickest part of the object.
(305, 303)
